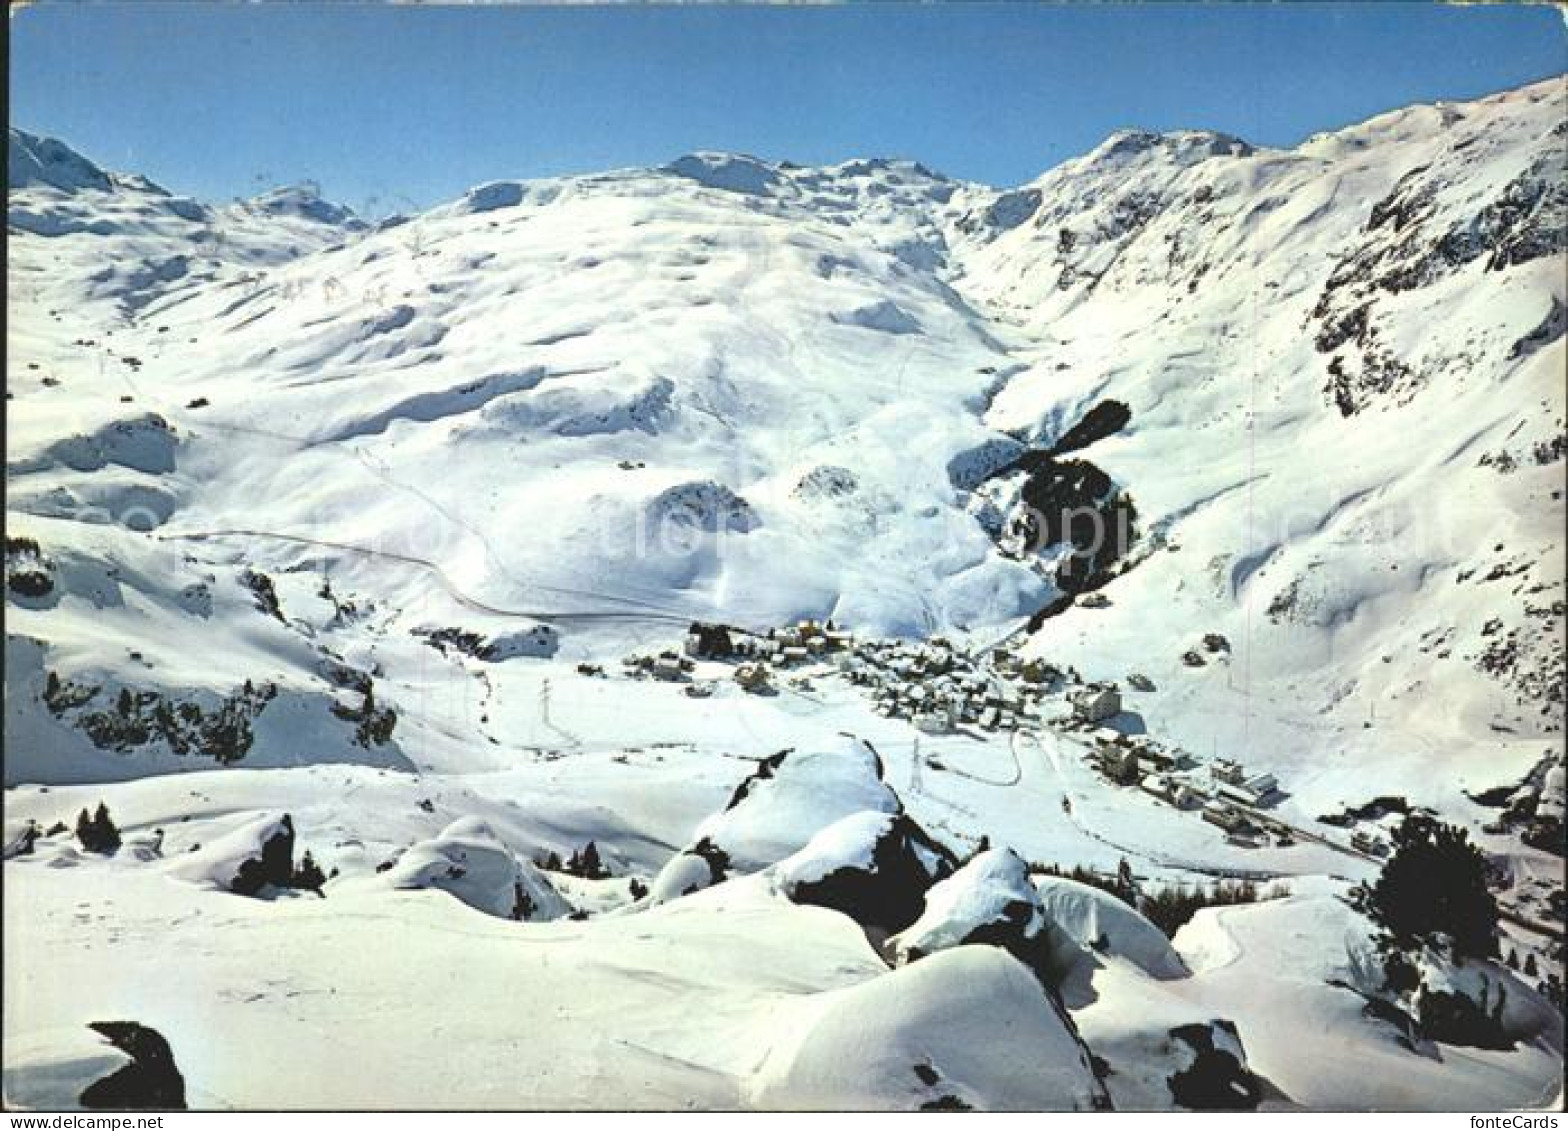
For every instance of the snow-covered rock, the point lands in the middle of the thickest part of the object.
(968, 1028)
(988, 900)
(873, 866)
(115, 1065)
(782, 805)
(470, 862)
(255, 856)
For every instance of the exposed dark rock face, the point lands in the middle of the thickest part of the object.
(151, 1082)
(889, 895)
(1217, 1079)
(716, 858)
(1047, 611)
(28, 573)
(1106, 418)
(1408, 244)
(445, 640)
(138, 718)
(373, 724)
(1004, 213)
(765, 770)
(700, 866)
(265, 593)
(1072, 501)
(1550, 329)
(1010, 932)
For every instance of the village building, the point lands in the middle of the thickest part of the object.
(752, 677)
(1119, 763)
(1226, 770)
(667, 666)
(1226, 817)
(709, 641)
(1095, 702)
(1037, 672)
(1362, 840)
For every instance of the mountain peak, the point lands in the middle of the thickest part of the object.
(1186, 146)
(302, 200)
(46, 162)
(730, 172)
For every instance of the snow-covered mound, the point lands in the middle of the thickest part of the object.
(875, 867)
(469, 861)
(779, 808)
(990, 900)
(1311, 958)
(1100, 922)
(969, 1028)
(248, 860)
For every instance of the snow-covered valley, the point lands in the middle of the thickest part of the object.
(444, 546)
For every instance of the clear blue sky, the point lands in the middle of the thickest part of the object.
(390, 106)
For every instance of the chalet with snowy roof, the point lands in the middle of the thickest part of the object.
(752, 676)
(1157, 784)
(667, 667)
(1095, 702)
(1225, 816)
(1226, 770)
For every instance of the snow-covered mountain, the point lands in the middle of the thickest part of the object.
(339, 518)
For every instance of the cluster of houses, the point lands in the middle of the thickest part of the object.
(939, 687)
(756, 655)
(1139, 760)
(797, 643)
(671, 667)
(1223, 792)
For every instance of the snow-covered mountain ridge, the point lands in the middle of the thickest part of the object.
(746, 390)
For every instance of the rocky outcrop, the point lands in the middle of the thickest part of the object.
(471, 862)
(1106, 418)
(874, 867)
(273, 864)
(792, 795)
(150, 1082)
(989, 901)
